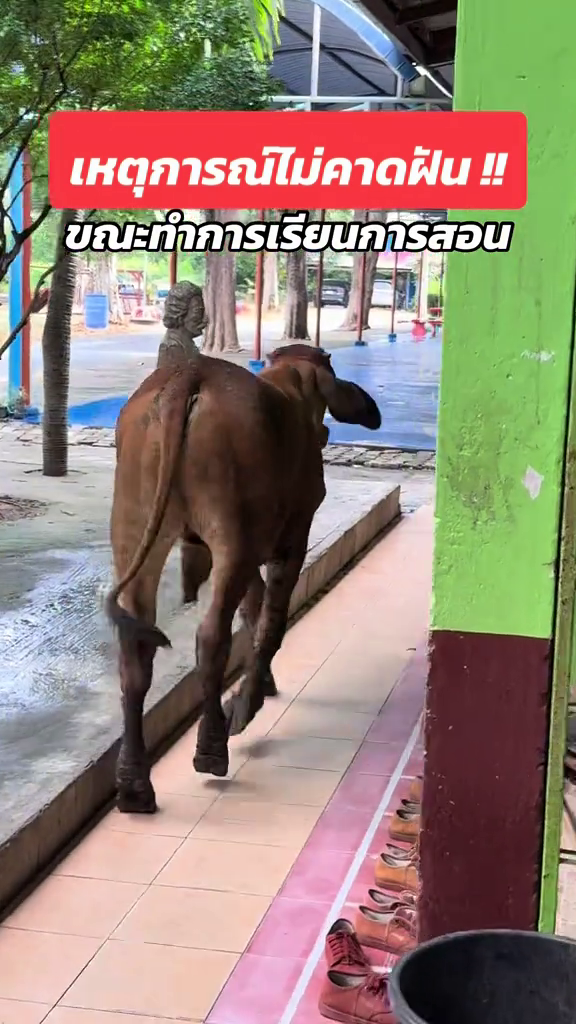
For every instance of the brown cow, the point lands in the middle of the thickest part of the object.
(231, 464)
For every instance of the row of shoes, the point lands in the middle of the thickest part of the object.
(355, 991)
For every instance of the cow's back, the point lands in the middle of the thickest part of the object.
(251, 459)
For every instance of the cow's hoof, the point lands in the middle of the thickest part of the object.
(211, 764)
(141, 800)
(240, 711)
(270, 688)
(236, 714)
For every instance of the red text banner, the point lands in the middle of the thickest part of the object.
(288, 160)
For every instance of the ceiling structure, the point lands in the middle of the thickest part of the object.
(424, 28)
(380, 53)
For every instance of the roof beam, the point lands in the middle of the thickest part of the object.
(355, 17)
(419, 12)
(383, 13)
(442, 46)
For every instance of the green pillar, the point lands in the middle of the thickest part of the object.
(505, 393)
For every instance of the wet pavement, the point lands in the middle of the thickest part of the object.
(403, 378)
(59, 700)
(58, 685)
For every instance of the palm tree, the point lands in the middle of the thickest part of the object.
(56, 356)
(264, 17)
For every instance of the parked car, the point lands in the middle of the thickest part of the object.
(335, 293)
(382, 294)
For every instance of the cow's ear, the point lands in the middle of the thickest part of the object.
(347, 402)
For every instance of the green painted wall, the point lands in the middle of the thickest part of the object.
(507, 340)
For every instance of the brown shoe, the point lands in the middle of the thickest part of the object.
(343, 952)
(392, 933)
(402, 854)
(415, 791)
(396, 876)
(405, 826)
(412, 806)
(356, 1000)
(381, 901)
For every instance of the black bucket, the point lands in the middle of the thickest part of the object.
(487, 977)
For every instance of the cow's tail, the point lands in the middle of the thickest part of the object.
(175, 403)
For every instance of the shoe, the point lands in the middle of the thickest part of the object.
(391, 932)
(412, 806)
(402, 854)
(396, 876)
(405, 826)
(383, 902)
(415, 791)
(356, 1000)
(343, 952)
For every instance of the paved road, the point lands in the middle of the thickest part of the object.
(403, 378)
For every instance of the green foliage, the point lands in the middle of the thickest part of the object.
(264, 16)
(232, 80)
(123, 54)
(88, 54)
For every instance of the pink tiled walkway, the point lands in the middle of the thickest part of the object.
(215, 908)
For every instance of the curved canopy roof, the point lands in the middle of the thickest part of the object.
(357, 57)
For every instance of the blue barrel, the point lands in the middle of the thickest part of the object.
(96, 311)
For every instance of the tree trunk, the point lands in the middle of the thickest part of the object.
(351, 315)
(296, 313)
(56, 358)
(270, 286)
(113, 291)
(221, 334)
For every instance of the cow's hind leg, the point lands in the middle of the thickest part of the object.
(281, 578)
(135, 793)
(213, 644)
(196, 565)
(250, 611)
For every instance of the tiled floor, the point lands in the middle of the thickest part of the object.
(566, 911)
(215, 908)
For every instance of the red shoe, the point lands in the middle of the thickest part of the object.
(356, 1000)
(343, 952)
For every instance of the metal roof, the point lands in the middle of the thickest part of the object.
(359, 56)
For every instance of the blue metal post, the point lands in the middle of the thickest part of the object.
(15, 285)
(392, 335)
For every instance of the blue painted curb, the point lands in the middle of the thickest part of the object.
(102, 413)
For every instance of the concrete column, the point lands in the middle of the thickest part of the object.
(506, 379)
